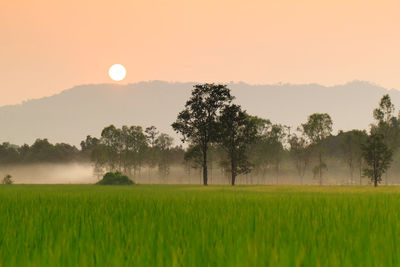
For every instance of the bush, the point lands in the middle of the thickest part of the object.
(115, 178)
(7, 179)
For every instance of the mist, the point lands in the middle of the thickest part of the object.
(50, 173)
(82, 173)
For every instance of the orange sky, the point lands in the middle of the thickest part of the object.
(48, 45)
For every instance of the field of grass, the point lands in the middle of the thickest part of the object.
(86, 225)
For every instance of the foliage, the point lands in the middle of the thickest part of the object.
(163, 143)
(377, 157)
(384, 113)
(276, 153)
(317, 128)
(386, 123)
(236, 131)
(351, 149)
(122, 149)
(196, 123)
(115, 178)
(151, 136)
(267, 150)
(88, 145)
(7, 179)
(40, 151)
(300, 152)
(129, 149)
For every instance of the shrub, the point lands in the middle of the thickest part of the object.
(7, 179)
(115, 178)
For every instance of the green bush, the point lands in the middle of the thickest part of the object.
(7, 179)
(115, 178)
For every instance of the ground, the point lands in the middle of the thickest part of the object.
(159, 225)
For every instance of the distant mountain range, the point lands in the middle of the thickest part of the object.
(87, 109)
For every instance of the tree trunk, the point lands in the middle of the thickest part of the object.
(277, 172)
(375, 170)
(320, 168)
(205, 178)
(351, 172)
(233, 172)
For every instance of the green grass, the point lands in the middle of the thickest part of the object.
(83, 225)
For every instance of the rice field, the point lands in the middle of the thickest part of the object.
(155, 225)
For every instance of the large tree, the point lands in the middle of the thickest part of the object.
(197, 121)
(317, 128)
(387, 124)
(378, 157)
(236, 132)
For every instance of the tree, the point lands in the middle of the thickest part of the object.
(317, 128)
(236, 131)
(387, 124)
(88, 145)
(7, 179)
(163, 143)
(121, 149)
(300, 151)
(384, 113)
(134, 143)
(197, 121)
(9, 154)
(378, 157)
(111, 152)
(274, 140)
(260, 153)
(350, 148)
(151, 135)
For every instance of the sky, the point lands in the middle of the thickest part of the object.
(47, 46)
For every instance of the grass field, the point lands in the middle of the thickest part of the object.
(85, 225)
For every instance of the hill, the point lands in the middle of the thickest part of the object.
(86, 109)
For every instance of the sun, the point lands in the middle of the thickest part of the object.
(117, 72)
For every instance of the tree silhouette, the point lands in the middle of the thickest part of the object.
(317, 128)
(378, 157)
(197, 121)
(236, 131)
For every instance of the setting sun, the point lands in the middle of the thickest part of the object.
(117, 72)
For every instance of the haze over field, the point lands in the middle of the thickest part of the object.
(51, 173)
(87, 109)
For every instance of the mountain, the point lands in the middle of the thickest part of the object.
(87, 109)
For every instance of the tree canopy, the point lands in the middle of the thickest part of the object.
(197, 122)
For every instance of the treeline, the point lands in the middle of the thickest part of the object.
(42, 151)
(129, 149)
(222, 140)
(221, 136)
